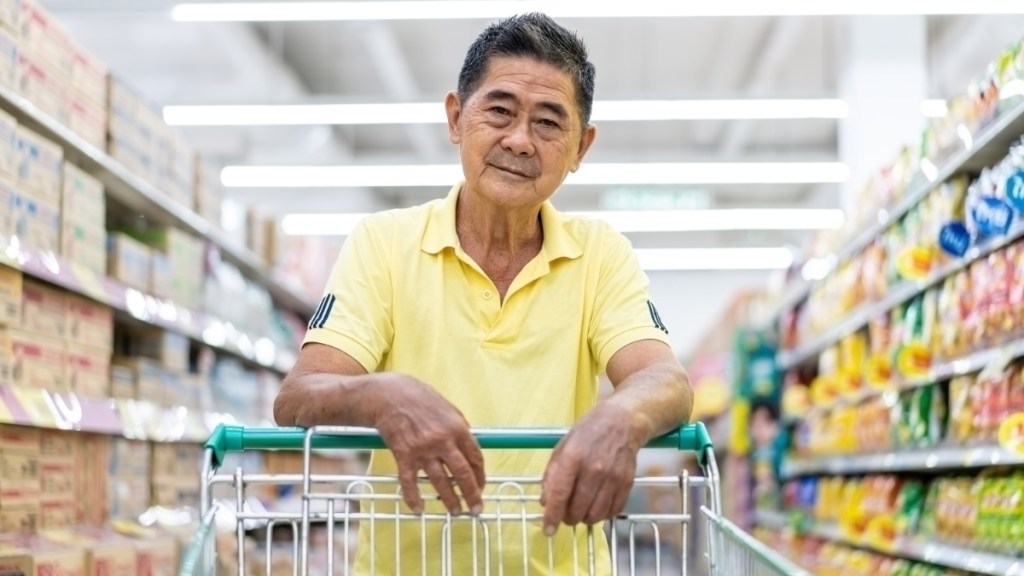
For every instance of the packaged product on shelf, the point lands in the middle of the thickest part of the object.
(49, 559)
(20, 439)
(85, 246)
(128, 260)
(44, 309)
(11, 288)
(38, 83)
(88, 370)
(122, 382)
(161, 276)
(168, 348)
(157, 556)
(185, 253)
(208, 201)
(172, 459)
(147, 378)
(37, 223)
(38, 361)
(43, 37)
(8, 57)
(88, 121)
(19, 521)
(88, 76)
(8, 144)
(115, 558)
(82, 199)
(90, 322)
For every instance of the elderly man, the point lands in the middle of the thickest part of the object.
(490, 308)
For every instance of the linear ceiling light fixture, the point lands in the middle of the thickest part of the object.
(627, 222)
(433, 112)
(429, 175)
(654, 259)
(493, 9)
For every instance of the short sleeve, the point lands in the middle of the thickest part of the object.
(623, 312)
(354, 314)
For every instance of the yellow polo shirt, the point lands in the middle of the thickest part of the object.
(404, 297)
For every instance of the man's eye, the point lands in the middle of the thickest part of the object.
(500, 110)
(548, 123)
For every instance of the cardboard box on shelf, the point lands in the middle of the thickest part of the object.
(38, 83)
(147, 377)
(127, 498)
(8, 57)
(122, 382)
(111, 559)
(173, 460)
(19, 521)
(175, 491)
(89, 370)
(36, 222)
(42, 36)
(56, 478)
(51, 561)
(10, 15)
(26, 497)
(90, 323)
(44, 309)
(40, 165)
(209, 204)
(89, 76)
(57, 511)
(88, 120)
(85, 245)
(8, 141)
(20, 439)
(157, 556)
(38, 361)
(169, 348)
(60, 445)
(11, 286)
(128, 260)
(129, 459)
(161, 276)
(19, 470)
(83, 199)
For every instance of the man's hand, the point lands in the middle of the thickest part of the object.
(590, 473)
(426, 432)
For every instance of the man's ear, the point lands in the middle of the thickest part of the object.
(589, 135)
(453, 108)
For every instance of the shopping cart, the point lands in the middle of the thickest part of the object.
(651, 542)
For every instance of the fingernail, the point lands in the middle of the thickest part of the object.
(550, 531)
(418, 510)
(477, 509)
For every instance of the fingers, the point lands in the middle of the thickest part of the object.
(467, 479)
(474, 456)
(410, 491)
(436, 473)
(559, 480)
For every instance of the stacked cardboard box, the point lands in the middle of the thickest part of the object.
(59, 76)
(83, 238)
(60, 456)
(209, 195)
(129, 261)
(184, 261)
(90, 340)
(157, 357)
(128, 478)
(176, 474)
(141, 141)
(19, 479)
(35, 197)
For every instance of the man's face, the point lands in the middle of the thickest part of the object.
(520, 133)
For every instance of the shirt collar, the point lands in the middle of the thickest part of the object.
(440, 231)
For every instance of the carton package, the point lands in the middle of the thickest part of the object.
(169, 348)
(84, 245)
(161, 276)
(40, 165)
(7, 359)
(89, 77)
(173, 460)
(128, 260)
(82, 200)
(37, 83)
(43, 37)
(181, 390)
(111, 559)
(209, 204)
(11, 287)
(59, 445)
(8, 55)
(147, 378)
(57, 511)
(8, 140)
(10, 15)
(157, 557)
(10, 204)
(44, 309)
(11, 498)
(20, 439)
(88, 370)
(129, 459)
(19, 470)
(175, 491)
(122, 382)
(88, 120)
(36, 222)
(90, 322)
(56, 478)
(38, 361)
(52, 561)
(19, 521)
(128, 498)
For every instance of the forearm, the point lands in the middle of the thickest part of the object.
(319, 399)
(657, 399)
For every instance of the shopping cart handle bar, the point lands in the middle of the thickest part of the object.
(231, 438)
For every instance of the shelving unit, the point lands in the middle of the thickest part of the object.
(136, 194)
(938, 553)
(925, 460)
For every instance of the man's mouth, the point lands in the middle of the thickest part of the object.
(511, 171)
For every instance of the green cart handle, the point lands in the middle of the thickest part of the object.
(232, 438)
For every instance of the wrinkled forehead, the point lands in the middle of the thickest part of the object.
(528, 79)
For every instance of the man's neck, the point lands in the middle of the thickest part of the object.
(485, 230)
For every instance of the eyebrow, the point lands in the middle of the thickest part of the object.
(553, 107)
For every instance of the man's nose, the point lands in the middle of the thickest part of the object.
(519, 139)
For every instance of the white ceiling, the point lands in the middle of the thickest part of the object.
(183, 63)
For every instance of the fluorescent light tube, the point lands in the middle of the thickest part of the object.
(433, 112)
(934, 108)
(418, 175)
(493, 9)
(342, 224)
(714, 258)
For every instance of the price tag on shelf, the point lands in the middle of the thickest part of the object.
(1011, 433)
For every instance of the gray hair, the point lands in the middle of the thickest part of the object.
(537, 36)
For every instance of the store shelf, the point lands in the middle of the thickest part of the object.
(990, 145)
(135, 419)
(938, 553)
(136, 194)
(968, 364)
(923, 460)
(199, 326)
(901, 293)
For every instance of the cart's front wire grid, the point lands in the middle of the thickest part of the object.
(358, 524)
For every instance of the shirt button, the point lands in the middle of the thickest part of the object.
(487, 294)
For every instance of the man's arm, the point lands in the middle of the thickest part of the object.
(591, 471)
(422, 429)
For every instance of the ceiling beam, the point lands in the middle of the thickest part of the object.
(397, 77)
(782, 40)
